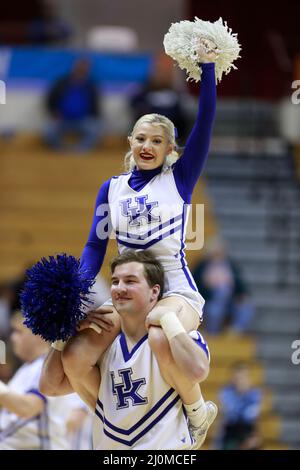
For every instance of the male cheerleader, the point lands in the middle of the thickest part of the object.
(136, 406)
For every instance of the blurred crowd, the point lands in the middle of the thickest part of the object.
(227, 297)
(240, 404)
(75, 109)
(73, 104)
(35, 22)
(28, 419)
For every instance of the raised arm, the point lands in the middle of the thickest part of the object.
(94, 251)
(189, 166)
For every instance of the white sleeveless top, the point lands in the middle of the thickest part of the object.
(154, 218)
(136, 409)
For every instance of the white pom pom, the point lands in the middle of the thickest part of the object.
(182, 43)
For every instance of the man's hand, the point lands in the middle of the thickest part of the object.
(98, 318)
(208, 51)
(153, 318)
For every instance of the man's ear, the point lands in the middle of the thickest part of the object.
(155, 292)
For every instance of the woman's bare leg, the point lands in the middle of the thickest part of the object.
(161, 349)
(160, 345)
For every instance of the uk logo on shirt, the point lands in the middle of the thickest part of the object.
(139, 213)
(127, 391)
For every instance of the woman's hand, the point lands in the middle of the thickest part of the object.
(97, 320)
(208, 51)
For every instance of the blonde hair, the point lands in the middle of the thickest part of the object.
(169, 129)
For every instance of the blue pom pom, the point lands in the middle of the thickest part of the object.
(54, 297)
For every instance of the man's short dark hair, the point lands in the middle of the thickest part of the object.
(153, 270)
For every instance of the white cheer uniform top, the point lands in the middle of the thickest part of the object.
(45, 431)
(136, 409)
(153, 218)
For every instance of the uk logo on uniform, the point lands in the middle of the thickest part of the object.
(139, 213)
(127, 390)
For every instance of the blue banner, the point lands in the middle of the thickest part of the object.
(44, 65)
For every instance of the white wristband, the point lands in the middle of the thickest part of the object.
(171, 325)
(59, 345)
(3, 388)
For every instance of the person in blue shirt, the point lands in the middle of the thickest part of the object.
(240, 407)
(73, 103)
(226, 294)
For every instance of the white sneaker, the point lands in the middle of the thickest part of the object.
(199, 433)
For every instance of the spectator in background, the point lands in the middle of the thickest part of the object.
(48, 27)
(220, 283)
(240, 408)
(28, 419)
(159, 96)
(33, 22)
(73, 103)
